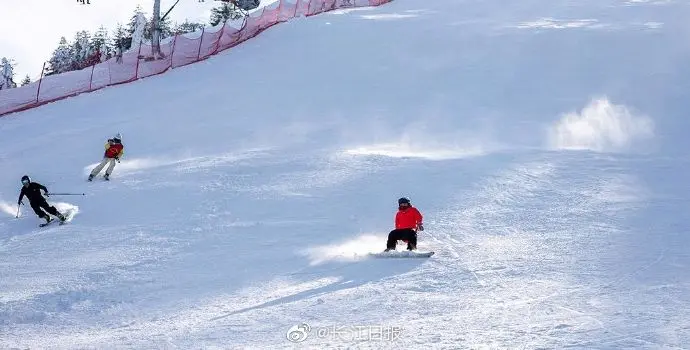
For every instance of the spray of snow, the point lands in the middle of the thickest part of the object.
(415, 145)
(349, 250)
(388, 16)
(551, 23)
(410, 150)
(135, 165)
(8, 208)
(602, 127)
(11, 208)
(345, 11)
(131, 165)
(64, 208)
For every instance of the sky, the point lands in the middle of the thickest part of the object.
(32, 28)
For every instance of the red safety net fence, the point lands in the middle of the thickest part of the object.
(178, 51)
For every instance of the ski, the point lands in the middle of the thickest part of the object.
(69, 215)
(47, 223)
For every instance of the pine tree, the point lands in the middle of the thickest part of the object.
(187, 27)
(248, 4)
(100, 41)
(138, 34)
(61, 60)
(166, 29)
(26, 81)
(225, 12)
(120, 38)
(81, 50)
(7, 74)
(132, 25)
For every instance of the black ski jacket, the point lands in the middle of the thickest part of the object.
(33, 193)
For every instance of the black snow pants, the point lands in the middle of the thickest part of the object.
(39, 205)
(406, 234)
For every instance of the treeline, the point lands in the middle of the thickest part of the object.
(87, 48)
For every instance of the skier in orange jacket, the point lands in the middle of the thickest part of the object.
(408, 220)
(113, 151)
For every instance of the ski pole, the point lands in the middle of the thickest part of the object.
(67, 194)
(17, 211)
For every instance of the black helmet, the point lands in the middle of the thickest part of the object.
(26, 178)
(403, 200)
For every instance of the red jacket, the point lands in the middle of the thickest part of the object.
(114, 150)
(408, 218)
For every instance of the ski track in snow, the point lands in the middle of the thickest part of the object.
(511, 243)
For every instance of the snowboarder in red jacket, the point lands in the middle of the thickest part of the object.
(408, 221)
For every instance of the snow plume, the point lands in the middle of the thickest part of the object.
(418, 141)
(8, 208)
(11, 208)
(551, 23)
(130, 165)
(408, 149)
(602, 127)
(64, 207)
(348, 250)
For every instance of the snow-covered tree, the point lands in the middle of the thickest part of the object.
(100, 38)
(134, 21)
(100, 41)
(138, 34)
(121, 40)
(61, 60)
(187, 27)
(166, 28)
(225, 12)
(81, 50)
(7, 74)
(248, 4)
(27, 80)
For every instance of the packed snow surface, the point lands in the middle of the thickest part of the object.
(545, 143)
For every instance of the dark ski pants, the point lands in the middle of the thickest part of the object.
(406, 234)
(38, 207)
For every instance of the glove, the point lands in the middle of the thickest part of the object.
(420, 227)
(20, 203)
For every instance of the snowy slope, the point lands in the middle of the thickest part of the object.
(543, 141)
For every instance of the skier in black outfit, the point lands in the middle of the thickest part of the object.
(32, 191)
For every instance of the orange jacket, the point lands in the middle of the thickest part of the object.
(114, 150)
(408, 218)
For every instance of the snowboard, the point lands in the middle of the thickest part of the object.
(403, 254)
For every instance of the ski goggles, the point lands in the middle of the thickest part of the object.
(25, 182)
